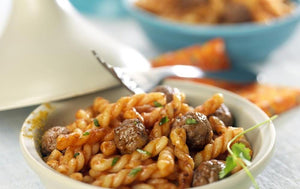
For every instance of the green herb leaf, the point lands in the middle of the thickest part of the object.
(239, 154)
(76, 154)
(191, 121)
(86, 133)
(164, 120)
(241, 151)
(96, 122)
(157, 104)
(144, 152)
(229, 166)
(114, 161)
(135, 171)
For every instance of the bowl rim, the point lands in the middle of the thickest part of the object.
(35, 161)
(209, 30)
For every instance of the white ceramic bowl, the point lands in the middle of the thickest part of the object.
(61, 113)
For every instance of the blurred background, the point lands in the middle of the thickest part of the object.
(113, 17)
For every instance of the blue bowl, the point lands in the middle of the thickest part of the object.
(109, 9)
(245, 43)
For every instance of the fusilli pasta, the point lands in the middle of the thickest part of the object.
(90, 153)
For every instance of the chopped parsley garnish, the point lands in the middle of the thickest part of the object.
(144, 152)
(76, 154)
(157, 104)
(239, 154)
(135, 171)
(191, 121)
(114, 161)
(86, 133)
(96, 122)
(164, 120)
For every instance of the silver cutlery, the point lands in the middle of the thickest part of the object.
(140, 82)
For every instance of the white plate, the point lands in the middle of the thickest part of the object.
(61, 113)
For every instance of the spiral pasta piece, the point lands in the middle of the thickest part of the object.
(78, 137)
(169, 112)
(132, 114)
(73, 160)
(108, 148)
(218, 146)
(100, 104)
(89, 150)
(85, 114)
(126, 176)
(101, 163)
(166, 162)
(217, 125)
(68, 163)
(84, 118)
(185, 161)
(126, 103)
(211, 105)
(161, 183)
(150, 118)
(81, 124)
(76, 176)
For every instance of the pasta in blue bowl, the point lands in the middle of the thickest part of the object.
(246, 42)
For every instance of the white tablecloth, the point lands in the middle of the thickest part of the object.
(282, 68)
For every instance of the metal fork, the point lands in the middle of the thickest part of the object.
(141, 82)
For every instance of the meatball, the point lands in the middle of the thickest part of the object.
(130, 135)
(167, 90)
(48, 143)
(236, 13)
(197, 127)
(207, 172)
(224, 114)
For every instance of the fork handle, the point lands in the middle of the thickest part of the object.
(154, 76)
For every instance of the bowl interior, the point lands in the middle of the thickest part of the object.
(61, 113)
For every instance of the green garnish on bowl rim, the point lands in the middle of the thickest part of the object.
(239, 154)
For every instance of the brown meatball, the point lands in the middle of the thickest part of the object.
(236, 13)
(207, 172)
(224, 114)
(48, 143)
(130, 135)
(197, 127)
(167, 90)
